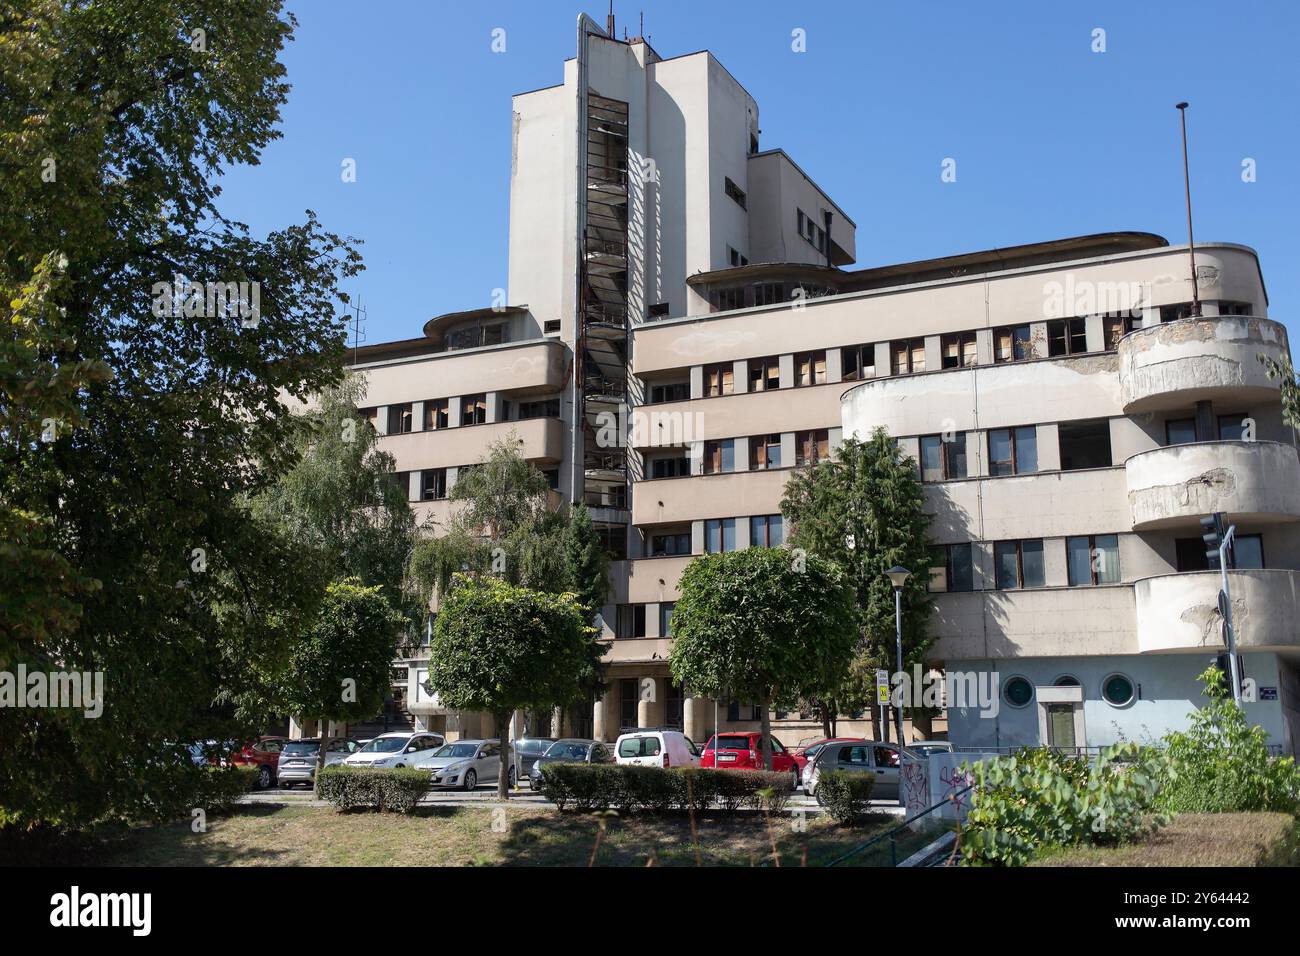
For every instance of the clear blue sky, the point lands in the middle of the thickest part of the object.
(1050, 138)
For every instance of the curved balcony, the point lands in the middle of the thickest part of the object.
(1215, 357)
(1180, 483)
(1180, 612)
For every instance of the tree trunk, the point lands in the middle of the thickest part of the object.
(828, 720)
(503, 738)
(765, 726)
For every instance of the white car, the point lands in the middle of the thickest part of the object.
(467, 763)
(656, 748)
(395, 750)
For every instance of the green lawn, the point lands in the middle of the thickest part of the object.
(479, 836)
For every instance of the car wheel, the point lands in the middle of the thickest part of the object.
(264, 778)
(470, 781)
(795, 774)
(510, 779)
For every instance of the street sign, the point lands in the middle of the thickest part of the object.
(882, 686)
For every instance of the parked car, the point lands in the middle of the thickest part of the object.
(656, 748)
(528, 749)
(743, 750)
(805, 753)
(264, 754)
(924, 748)
(397, 749)
(862, 756)
(467, 763)
(298, 758)
(568, 750)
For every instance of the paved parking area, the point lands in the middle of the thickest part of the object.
(487, 795)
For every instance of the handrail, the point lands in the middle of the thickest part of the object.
(893, 833)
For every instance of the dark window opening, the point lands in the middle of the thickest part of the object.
(1085, 444)
(1067, 337)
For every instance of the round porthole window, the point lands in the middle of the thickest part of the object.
(1066, 680)
(1018, 692)
(1117, 690)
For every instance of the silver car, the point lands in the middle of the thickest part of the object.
(861, 756)
(297, 763)
(466, 764)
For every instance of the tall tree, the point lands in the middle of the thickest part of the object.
(1289, 385)
(117, 120)
(500, 648)
(764, 625)
(865, 511)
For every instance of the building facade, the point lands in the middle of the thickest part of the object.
(681, 333)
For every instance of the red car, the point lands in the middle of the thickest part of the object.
(802, 755)
(743, 750)
(264, 754)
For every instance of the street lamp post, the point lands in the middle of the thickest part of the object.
(898, 577)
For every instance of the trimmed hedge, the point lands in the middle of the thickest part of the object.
(630, 789)
(845, 795)
(378, 788)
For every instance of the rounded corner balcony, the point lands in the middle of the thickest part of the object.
(1180, 612)
(437, 327)
(1177, 484)
(1213, 357)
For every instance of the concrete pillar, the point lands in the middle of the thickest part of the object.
(697, 718)
(296, 731)
(516, 725)
(650, 713)
(598, 719)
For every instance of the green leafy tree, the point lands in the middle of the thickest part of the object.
(503, 524)
(1285, 375)
(1222, 764)
(764, 625)
(117, 122)
(864, 510)
(501, 648)
(340, 670)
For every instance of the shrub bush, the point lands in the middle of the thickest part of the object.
(347, 788)
(632, 789)
(1039, 798)
(1222, 765)
(222, 786)
(845, 795)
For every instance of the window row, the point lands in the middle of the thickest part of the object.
(719, 455)
(1014, 451)
(1090, 560)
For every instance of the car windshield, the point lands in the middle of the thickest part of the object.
(814, 750)
(300, 747)
(457, 750)
(567, 751)
(385, 745)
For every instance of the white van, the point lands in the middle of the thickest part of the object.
(656, 748)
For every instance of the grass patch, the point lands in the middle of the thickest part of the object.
(1198, 839)
(465, 836)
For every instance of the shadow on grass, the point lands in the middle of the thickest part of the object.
(719, 839)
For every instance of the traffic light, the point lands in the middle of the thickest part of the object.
(1213, 528)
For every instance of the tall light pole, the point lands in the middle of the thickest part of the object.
(1187, 190)
(898, 577)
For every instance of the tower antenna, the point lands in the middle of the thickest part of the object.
(1187, 189)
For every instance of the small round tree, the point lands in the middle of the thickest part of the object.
(500, 648)
(763, 624)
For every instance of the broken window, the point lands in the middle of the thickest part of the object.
(671, 543)
(670, 392)
(907, 356)
(810, 368)
(1115, 327)
(1172, 313)
(1067, 337)
(719, 456)
(1085, 444)
(400, 420)
(958, 349)
(433, 484)
(764, 373)
(764, 452)
(1180, 431)
(812, 446)
(718, 379)
(473, 409)
(678, 467)
(1011, 343)
(857, 363)
(952, 568)
(435, 414)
